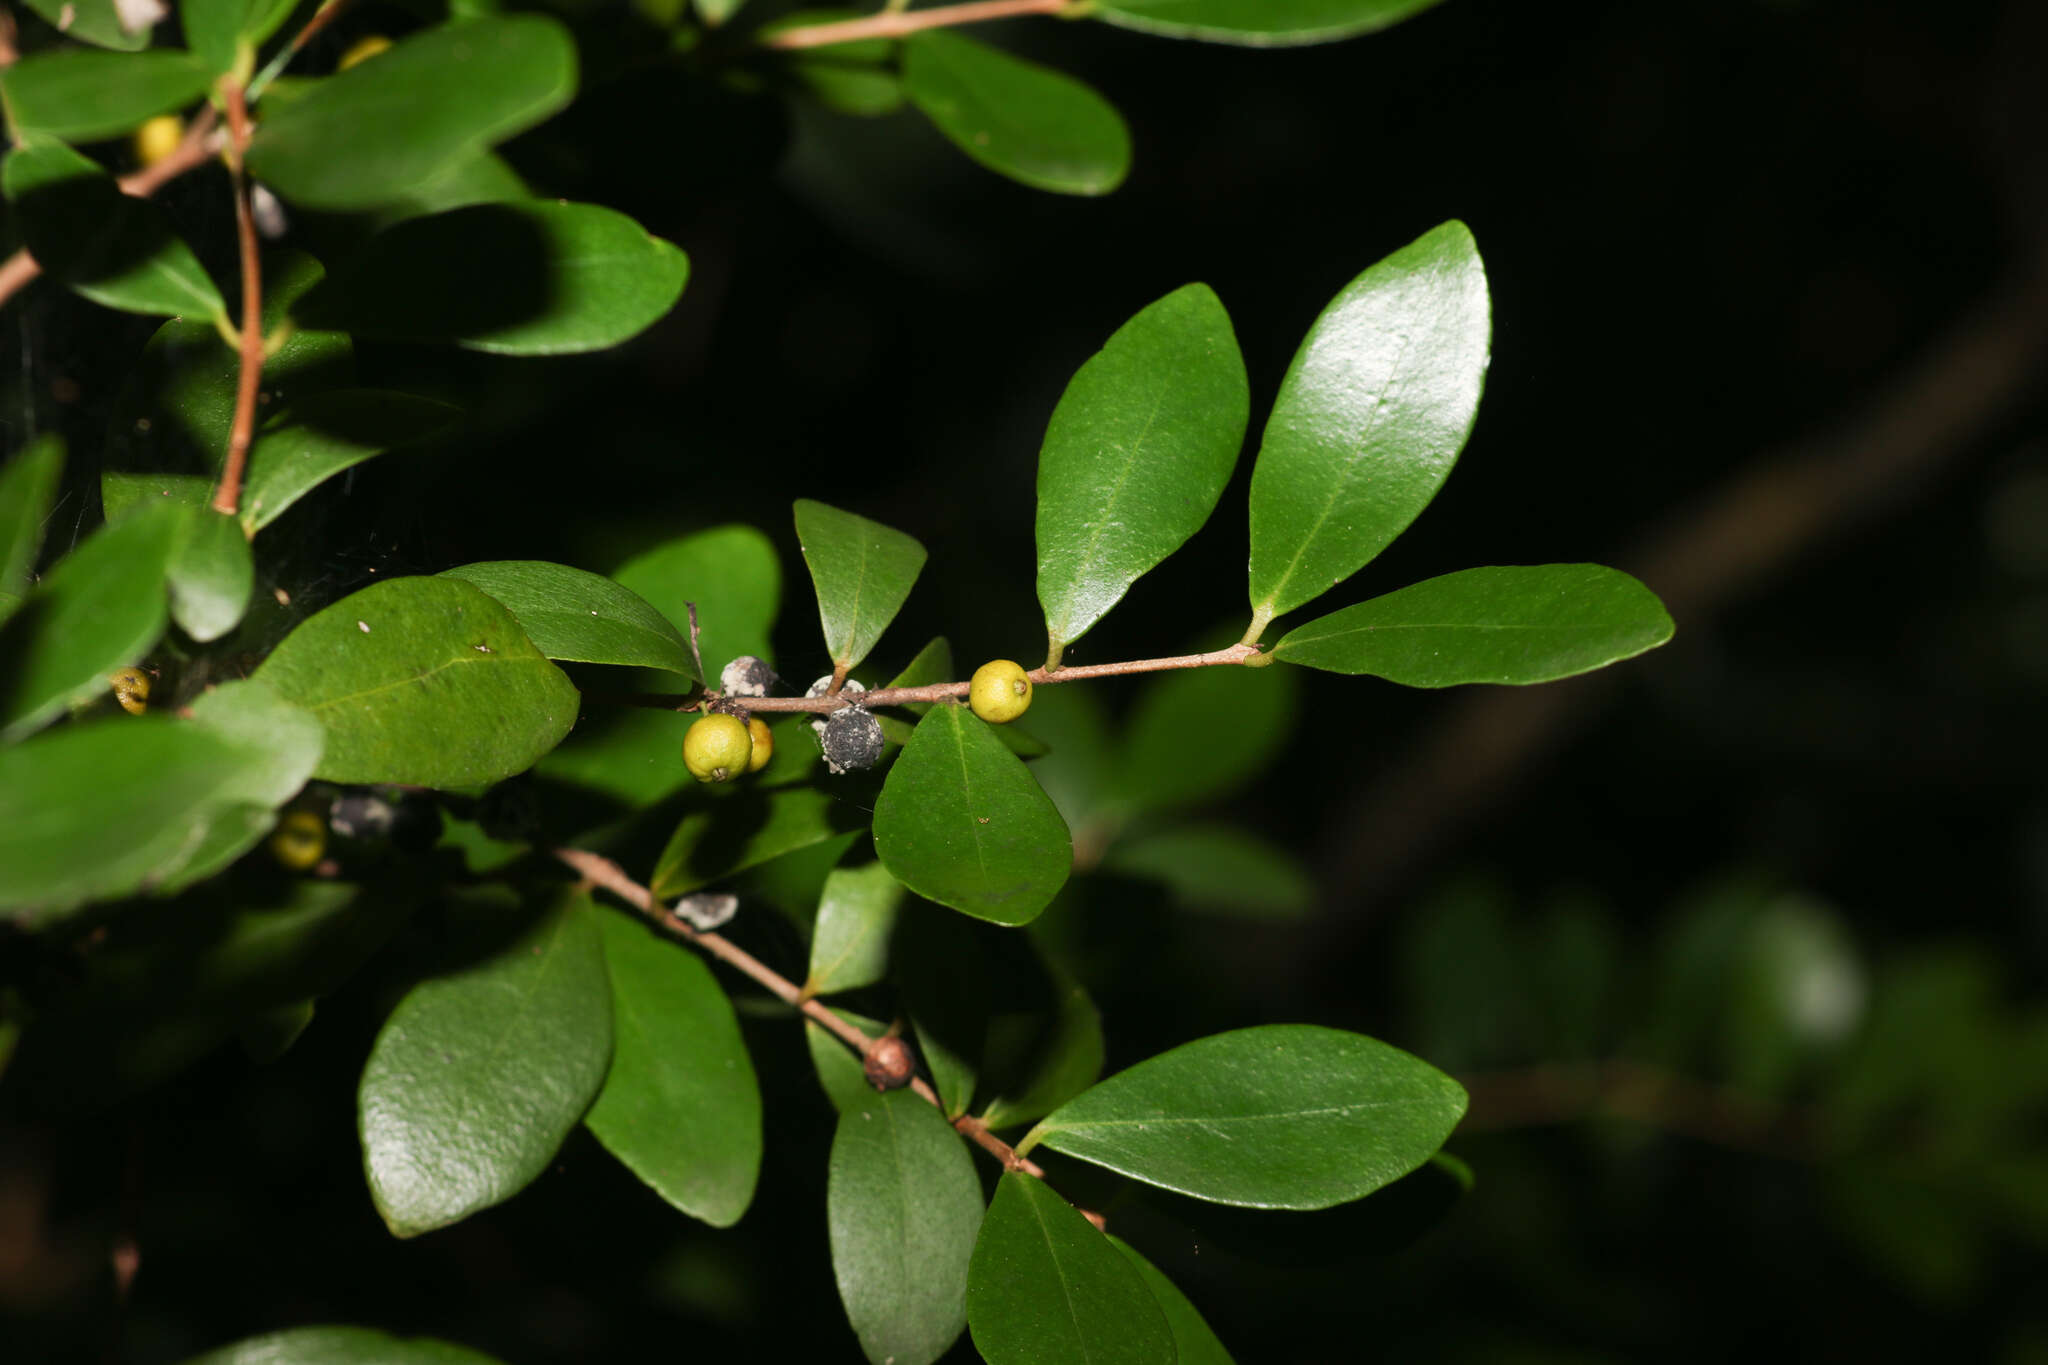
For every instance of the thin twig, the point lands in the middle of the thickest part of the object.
(599, 870)
(199, 145)
(322, 17)
(227, 498)
(898, 23)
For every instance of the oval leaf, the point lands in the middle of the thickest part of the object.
(1505, 624)
(113, 248)
(902, 1204)
(216, 30)
(730, 572)
(424, 681)
(381, 129)
(1136, 455)
(100, 608)
(1257, 23)
(28, 486)
(850, 939)
(322, 434)
(340, 1346)
(1370, 418)
(584, 617)
(1193, 1341)
(83, 96)
(526, 278)
(1046, 1288)
(478, 1075)
(680, 1106)
(863, 572)
(962, 822)
(99, 22)
(1289, 1116)
(1021, 120)
(211, 574)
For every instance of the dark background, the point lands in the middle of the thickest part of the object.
(1769, 330)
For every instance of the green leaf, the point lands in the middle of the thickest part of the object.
(730, 572)
(287, 738)
(585, 617)
(372, 132)
(850, 940)
(322, 434)
(840, 1073)
(478, 1075)
(1494, 625)
(1195, 1343)
(340, 1346)
(107, 809)
(1371, 416)
(113, 248)
(744, 830)
(1198, 733)
(961, 822)
(1136, 455)
(211, 574)
(716, 12)
(1065, 1063)
(424, 681)
(1287, 1116)
(863, 572)
(102, 607)
(902, 1205)
(532, 277)
(92, 21)
(479, 177)
(28, 486)
(216, 30)
(84, 96)
(1218, 869)
(680, 1106)
(1035, 125)
(1046, 1288)
(1257, 23)
(933, 664)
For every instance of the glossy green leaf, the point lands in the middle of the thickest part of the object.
(730, 572)
(100, 608)
(856, 89)
(374, 131)
(340, 1346)
(585, 617)
(1370, 418)
(1217, 869)
(113, 248)
(287, 737)
(680, 1106)
(962, 822)
(850, 940)
(217, 30)
(1136, 455)
(92, 21)
(863, 572)
(1257, 23)
(479, 1074)
(322, 434)
(82, 96)
(424, 681)
(1046, 1288)
(1193, 1340)
(96, 811)
(1519, 624)
(1022, 120)
(211, 574)
(1287, 1116)
(744, 830)
(480, 177)
(531, 277)
(1198, 733)
(1066, 1061)
(28, 487)
(902, 1206)
(840, 1073)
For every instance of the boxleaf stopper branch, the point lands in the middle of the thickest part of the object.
(897, 23)
(227, 498)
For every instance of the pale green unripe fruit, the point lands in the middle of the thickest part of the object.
(999, 692)
(763, 740)
(717, 748)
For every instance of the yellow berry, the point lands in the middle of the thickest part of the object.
(299, 840)
(362, 50)
(157, 138)
(717, 748)
(764, 743)
(131, 689)
(999, 692)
